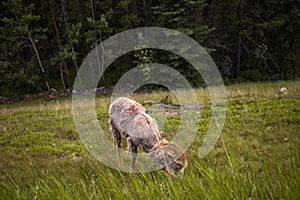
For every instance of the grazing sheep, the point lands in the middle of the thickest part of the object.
(129, 119)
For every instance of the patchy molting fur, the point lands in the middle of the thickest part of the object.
(129, 119)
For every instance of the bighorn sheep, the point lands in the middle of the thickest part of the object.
(129, 119)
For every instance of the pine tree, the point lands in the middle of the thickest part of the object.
(186, 17)
(22, 35)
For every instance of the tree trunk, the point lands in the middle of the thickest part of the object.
(239, 43)
(76, 66)
(39, 60)
(238, 59)
(145, 17)
(62, 75)
(64, 67)
(66, 73)
(54, 20)
(100, 63)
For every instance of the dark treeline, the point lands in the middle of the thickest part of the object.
(43, 43)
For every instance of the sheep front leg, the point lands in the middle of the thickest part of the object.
(117, 137)
(169, 171)
(132, 149)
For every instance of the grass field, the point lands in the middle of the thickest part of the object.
(41, 156)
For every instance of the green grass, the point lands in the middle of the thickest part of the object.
(41, 156)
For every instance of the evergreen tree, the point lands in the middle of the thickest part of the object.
(186, 17)
(22, 36)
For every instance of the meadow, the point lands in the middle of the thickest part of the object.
(257, 157)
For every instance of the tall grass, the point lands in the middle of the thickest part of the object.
(41, 156)
(202, 181)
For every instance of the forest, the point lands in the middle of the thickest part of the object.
(43, 43)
